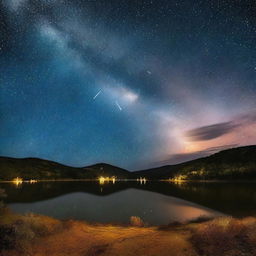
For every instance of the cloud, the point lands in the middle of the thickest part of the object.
(211, 131)
(119, 92)
(53, 35)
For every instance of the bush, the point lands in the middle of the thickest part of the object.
(2, 193)
(23, 231)
(7, 237)
(136, 221)
(2, 205)
(41, 225)
(225, 236)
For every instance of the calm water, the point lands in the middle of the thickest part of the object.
(155, 202)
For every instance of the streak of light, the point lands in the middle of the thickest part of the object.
(98, 93)
(119, 106)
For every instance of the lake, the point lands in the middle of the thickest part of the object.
(156, 203)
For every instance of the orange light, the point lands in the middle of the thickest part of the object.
(17, 181)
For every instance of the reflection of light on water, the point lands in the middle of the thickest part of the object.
(190, 212)
(154, 208)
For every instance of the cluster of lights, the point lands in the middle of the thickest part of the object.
(199, 172)
(102, 179)
(142, 180)
(178, 179)
(18, 181)
(32, 181)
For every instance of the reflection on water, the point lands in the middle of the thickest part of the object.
(153, 208)
(115, 201)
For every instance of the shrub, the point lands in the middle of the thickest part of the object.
(2, 193)
(7, 237)
(136, 221)
(41, 225)
(225, 236)
(23, 231)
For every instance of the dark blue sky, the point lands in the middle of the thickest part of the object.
(132, 83)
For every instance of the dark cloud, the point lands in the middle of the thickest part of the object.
(211, 131)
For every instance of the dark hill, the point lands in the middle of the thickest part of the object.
(35, 168)
(235, 163)
(103, 169)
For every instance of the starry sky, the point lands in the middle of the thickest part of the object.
(136, 84)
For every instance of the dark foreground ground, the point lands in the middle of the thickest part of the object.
(43, 236)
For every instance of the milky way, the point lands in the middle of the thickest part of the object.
(132, 83)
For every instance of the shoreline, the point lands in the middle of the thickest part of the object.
(135, 180)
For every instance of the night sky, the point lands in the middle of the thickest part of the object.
(136, 84)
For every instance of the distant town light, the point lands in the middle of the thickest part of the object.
(32, 181)
(142, 180)
(17, 181)
(102, 179)
(178, 179)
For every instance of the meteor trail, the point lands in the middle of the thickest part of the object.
(118, 106)
(99, 92)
